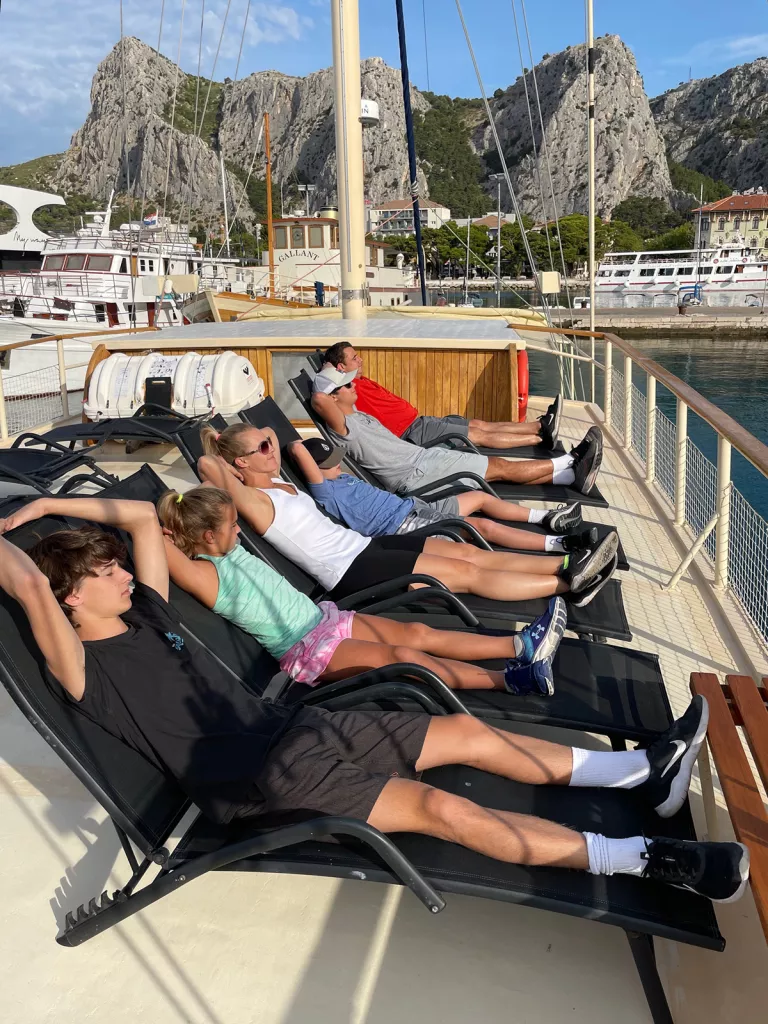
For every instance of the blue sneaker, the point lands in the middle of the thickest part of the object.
(531, 671)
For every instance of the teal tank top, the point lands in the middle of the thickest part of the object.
(260, 601)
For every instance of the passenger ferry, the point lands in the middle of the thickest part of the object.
(729, 275)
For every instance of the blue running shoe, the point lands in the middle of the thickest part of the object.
(531, 671)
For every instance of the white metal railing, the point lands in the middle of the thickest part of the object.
(39, 396)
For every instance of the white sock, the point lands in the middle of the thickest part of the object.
(537, 515)
(615, 856)
(562, 473)
(553, 544)
(609, 769)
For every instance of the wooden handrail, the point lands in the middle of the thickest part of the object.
(556, 330)
(741, 439)
(78, 334)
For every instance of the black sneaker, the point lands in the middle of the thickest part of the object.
(548, 436)
(590, 592)
(563, 519)
(584, 566)
(579, 541)
(555, 410)
(672, 757)
(719, 871)
(586, 466)
(580, 449)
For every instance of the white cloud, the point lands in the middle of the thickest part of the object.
(737, 48)
(49, 52)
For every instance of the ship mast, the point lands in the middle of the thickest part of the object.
(270, 238)
(345, 22)
(591, 211)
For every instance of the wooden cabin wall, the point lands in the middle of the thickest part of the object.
(465, 382)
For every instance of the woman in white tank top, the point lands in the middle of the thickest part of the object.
(246, 461)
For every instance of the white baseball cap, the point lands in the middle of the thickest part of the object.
(330, 378)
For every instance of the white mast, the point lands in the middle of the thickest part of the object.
(345, 21)
(466, 268)
(224, 198)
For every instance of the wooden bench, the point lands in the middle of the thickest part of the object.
(740, 702)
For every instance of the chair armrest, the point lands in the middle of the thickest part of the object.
(383, 691)
(387, 587)
(419, 492)
(388, 674)
(382, 601)
(452, 436)
(459, 525)
(451, 602)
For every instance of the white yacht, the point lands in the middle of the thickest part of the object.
(728, 275)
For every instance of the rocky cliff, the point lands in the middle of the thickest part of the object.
(719, 125)
(630, 157)
(161, 143)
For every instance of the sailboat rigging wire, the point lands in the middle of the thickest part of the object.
(502, 159)
(173, 106)
(536, 161)
(151, 125)
(132, 316)
(199, 66)
(426, 47)
(247, 178)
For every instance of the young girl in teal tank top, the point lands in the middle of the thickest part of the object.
(314, 643)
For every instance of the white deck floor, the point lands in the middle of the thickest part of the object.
(241, 948)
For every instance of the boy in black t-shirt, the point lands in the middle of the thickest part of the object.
(123, 661)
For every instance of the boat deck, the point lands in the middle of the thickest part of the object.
(274, 949)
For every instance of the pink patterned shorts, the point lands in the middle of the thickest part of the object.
(306, 661)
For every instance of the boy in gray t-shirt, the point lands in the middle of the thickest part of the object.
(402, 466)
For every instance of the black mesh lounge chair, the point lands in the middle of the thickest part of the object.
(269, 414)
(39, 469)
(146, 806)
(554, 493)
(605, 617)
(149, 423)
(461, 442)
(613, 691)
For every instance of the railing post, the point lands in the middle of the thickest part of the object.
(627, 402)
(650, 430)
(608, 382)
(681, 451)
(592, 371)
(3, 419)
(723, 512)
(63, 378)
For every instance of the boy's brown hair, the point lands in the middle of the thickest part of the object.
(67, 557)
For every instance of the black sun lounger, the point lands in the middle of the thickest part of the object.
(145, 807)
(149, 423)
(40, 469)
(461, 442)
(553, 493)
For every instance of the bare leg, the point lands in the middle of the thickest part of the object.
(522, 471)
(495, 561)
(479, 501)
(508, 536)
(407, 806)
(353, 656)
(443, 643)
(504, 435)
(463, 577)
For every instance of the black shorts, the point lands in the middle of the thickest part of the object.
(338, 762)
(385, 558)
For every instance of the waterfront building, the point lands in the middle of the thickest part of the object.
(395, 216)
(742, 217)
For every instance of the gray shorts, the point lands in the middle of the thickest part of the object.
(438, 463)
(427, 513)
(426, 429)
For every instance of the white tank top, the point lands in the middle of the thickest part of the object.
(302, 533)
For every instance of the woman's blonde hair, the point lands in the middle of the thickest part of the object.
(229, 444)
(189, 515)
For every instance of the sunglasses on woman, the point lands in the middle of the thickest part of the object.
(264, 449)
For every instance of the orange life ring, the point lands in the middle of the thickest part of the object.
(522, 384)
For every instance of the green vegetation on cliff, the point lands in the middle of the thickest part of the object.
(453, 170)
(191, 93)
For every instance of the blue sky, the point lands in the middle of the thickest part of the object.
(49, 49)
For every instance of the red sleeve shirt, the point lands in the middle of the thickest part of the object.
(392, 411)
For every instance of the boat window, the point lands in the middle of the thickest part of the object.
(281, 238)
(685, 270)
(334, 236)
(739, 269)
(622, 273)
(54, 262)
(666, 271)
(75, 262)
(142, 265)
(100, 311)
(99, 262)
(604, 273)
(721, 224)
(316, 236)
(647, 271)
(724, 270)
(705, 270)
(150, 265)
(123, 266)
(297, 236)
(755, 222)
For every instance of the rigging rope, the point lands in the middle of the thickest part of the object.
(199, 66)
(426, 47)
(132, 315)
(151, 126)
(173, 107)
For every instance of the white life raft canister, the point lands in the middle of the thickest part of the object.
(221, 383)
